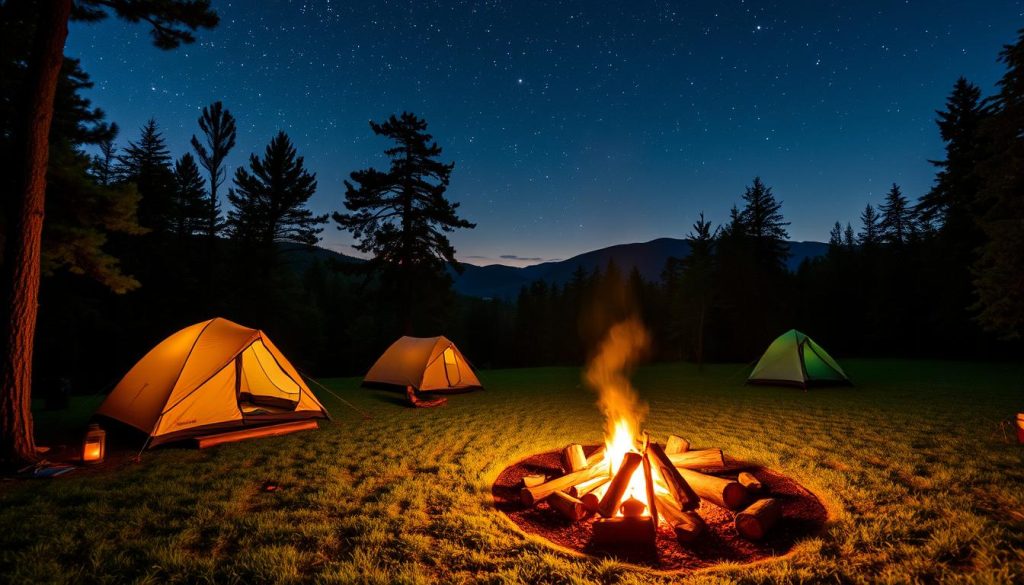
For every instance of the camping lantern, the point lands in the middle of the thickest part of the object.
(94, 448)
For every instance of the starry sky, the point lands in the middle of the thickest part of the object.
(577, 125)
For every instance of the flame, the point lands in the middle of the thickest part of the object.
(624, 411)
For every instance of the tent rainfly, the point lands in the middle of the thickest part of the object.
(793, 359)
(212, 376)
(425, 363)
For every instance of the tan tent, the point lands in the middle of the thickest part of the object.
(425, 363)
(211, 376)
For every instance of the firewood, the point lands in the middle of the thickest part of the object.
(569, 507)
(688, 526)
(531, 495)
(591, 502)
(701, 459)
(610, 502)
(533, 480)
(580, 490)
(725, 493)
(633, 508)
(623, 534)
(573, 458)
(596, 457)
(681, 491)
(649, 485)
(754, 522)
(750, 482)
(676, 444)
(1020, 427)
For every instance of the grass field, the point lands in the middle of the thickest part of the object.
(910, 462)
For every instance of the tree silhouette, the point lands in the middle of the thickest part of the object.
(897, 223)
(401, 216)
(104, 165)
(171, 22)
(698, 279)
(763, 223)
(147, 164)
(870, 232)
(999, 270)
(270, 201)
(218, 126)
(190, 203)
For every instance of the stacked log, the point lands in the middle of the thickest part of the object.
(531, 495)
(725, 493)
(701, 459)
(754, 522)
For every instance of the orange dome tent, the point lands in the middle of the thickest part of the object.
(425, 363)
(212, 376)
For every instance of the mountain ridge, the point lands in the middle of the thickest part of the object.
(504, 282)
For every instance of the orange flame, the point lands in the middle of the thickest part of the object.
(624, 411)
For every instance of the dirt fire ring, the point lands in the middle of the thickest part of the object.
(803, 516)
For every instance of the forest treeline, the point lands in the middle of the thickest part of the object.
(143, 238)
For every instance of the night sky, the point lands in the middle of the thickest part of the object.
(577, 125)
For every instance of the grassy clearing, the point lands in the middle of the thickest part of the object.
(922, 487)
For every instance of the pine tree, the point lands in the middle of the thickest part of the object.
(698, 280)
(147, 164)
(190, 203)
(999, 271)
(849, 240)
(270, 201)
(897, 223)
(764, 224)
(869, 235)
(401, 216)
(104, 165)
(835, 239)
(218, 126)
(949, 201)
(172, 22)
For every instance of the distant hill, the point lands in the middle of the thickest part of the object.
(499, 281)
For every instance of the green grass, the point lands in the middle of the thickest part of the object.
(910, 462)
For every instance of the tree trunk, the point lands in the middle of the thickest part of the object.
(20, 272)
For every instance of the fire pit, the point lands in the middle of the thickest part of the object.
(743, 513)
(663, 505)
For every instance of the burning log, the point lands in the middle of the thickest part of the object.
(569, 507)
(725, 493)
(596, 457)
(676, 444)
(750, 482)
(610, 502)
(533, 480)
(677, 486)
(688, 526)
(754, 522)
(633, 508)
(701, 459)
(573, 458)
(580, 490)
(624, 534)
(649, 484)
(532, 495)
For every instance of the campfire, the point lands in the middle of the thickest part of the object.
(633, 484)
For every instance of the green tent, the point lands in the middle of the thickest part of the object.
(793, 359)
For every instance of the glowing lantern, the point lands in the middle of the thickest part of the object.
(94, 448)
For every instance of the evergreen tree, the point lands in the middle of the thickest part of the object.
(218, 126)
(849, 240)
(949, 201)
(270, 201)
(870, 232)
(147, 164)
(764, 224)
(401, 216)
(998, 271)
(190, 204)
(172, 22)
(698, 280)
(835, 239)
(897, 223)
(104, 165)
